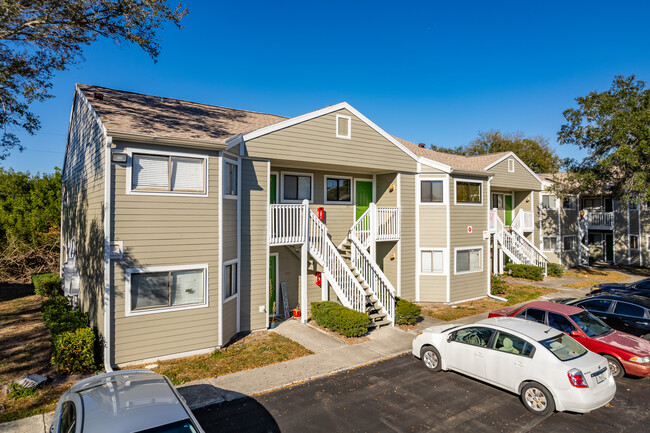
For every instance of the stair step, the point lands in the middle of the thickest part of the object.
(378, 324)
(375, 316)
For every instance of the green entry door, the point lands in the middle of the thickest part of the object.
(363, 196)
(609, 247)
(508, 206)
(274, 188)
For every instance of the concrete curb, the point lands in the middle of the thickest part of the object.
(33, 424)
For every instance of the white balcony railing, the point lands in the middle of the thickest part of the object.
(286, 224)
(388, 224)
(600, 220)
(524, 222)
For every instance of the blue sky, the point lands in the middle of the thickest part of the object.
(427, 71)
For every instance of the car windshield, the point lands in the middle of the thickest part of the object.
(564, 347)
(183, 426)
(590, 324)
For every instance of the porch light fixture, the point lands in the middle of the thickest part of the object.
(119, 158)
(391, 187)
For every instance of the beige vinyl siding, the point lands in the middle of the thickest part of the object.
(289, 273)
(470, 285)
(433, 288)
(433, 235)
(621, 239)
(521, 178)
(166, 230)
(314, 141)
(550, 227)
(229, 319)
(408, 242)
(386, 264)
(254, 243)
(229, 224)
(82, 210)
(384, 196)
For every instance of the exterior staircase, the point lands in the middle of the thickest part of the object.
(349, 268)
(516, 246)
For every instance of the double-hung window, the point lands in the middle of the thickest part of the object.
(230, 181)
(497, 201)
(431, 191)
(569, 203)
(162, 173)
(468, 192)
(432, 261)
(469, 260)
(154, 289)
(569, 243)
(548, 201)
(296, 188)
(338, 190)
(230, 287)
(549, 243)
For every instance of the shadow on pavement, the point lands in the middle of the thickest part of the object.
(240, 415)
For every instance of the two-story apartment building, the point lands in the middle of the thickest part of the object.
(188, 223)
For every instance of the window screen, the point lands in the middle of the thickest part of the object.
(152, 290)
(548, 202)
(297, 187)
(468, 192)
(231, 179)
(431, 191)
(432, 261)
(468, 260)
(165, 173)
(550, 243)
(187, 174)
(150, 172)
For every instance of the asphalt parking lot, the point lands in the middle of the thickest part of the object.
(399, 395)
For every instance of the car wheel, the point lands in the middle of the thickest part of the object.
(430, 358)
(615, 366)
(646, 337)
(537, 399)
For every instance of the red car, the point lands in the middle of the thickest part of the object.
(624, 352)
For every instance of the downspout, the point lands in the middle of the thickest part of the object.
(489, 274)
(108, 313)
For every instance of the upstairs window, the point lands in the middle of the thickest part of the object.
(343, 126)
(296, 188)
(633, 206)
(468, 192)
(497, 201)
(569, 203)
(157, 173)
(548, 202)
(338, 190)
(230, 181)
(592, 203)
(431, 191)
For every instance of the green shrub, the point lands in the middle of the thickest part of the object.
(60, 317)
(340, 319)
(54, 307)
(498, 285)
(74, 351)
(527, 272)
(47, 285)
(406, 313)
(554, 270)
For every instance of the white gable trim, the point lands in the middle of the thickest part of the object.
(513, 155)
(239, 138)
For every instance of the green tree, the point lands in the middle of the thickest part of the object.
(40, 37)
(534, 151)
(614, 127)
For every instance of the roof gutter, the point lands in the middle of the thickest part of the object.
(189, 143)
(108, 210)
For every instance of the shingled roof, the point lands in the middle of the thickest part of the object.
(458, 162)
(172, 118)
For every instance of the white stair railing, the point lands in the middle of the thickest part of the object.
(345, 284)
(286, 224)
(362, 228)
(372, 275)
(523, 222)
(517, 247)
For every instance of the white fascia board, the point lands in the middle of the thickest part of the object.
(234, 141)
(434, 164)
(512, 154)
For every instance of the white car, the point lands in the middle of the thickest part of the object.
(548, 369)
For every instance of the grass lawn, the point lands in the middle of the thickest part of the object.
(595, 274)
(582, 284)
(25, 348)
(253, 351)
(515, 294)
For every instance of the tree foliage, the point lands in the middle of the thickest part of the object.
(533, 151)
(614, 127)
(40, 37)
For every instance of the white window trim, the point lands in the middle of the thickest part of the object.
(638, 245)
(294, 173)
(445, 190)
(235, 163)
(503, 200)
(556, 246)
(647, 242)
(575, 242)
(223, 278)
(334, 176)
(127, 285)
(349, 136)
(129, 172)
(480, 182)
(511, 165)
(445, 261)
(477, 247)
(541, 202)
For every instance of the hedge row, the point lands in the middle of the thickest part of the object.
(340, 319)
(47, 285)
(406, 313)
(72, 339)
(554, 270)
(527, 272)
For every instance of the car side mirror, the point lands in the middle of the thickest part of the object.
(575, 333)
(450, 337)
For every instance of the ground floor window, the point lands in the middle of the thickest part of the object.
(595, 238)
(152, 289)
(469, 259)
(230, 280)
(569, 243)
(549, 243)
(634, 242)
(432, 261)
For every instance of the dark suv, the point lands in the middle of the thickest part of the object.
(641, 287)
(625, 312)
